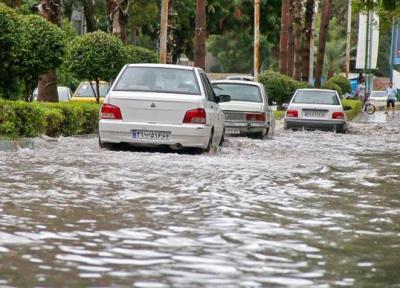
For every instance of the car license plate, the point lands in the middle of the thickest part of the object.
(232, 131)
(151, 135)
(314, 114)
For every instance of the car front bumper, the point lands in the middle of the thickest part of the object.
(245, 127)
(188, 135)
(315, 124)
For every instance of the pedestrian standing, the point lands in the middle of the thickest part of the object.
(391, 98)
(361, 91)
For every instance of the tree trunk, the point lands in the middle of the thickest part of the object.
(308, 30)
(200, 35)
(171, 41)
(51, 10)
(118, 18)
(323, 33)
(284, 41)
(297, 17)
(47, 87)
(291, 40)
(89, 16)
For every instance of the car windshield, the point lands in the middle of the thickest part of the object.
(239, 92)
(158, 79)
(378, 94)
(316, 97)
(85, 89)
(63, 94)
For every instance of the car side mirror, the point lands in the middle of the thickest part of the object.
(347, 108)
(285, 106)
(223, 98)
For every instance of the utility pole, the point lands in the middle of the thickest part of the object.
(392, 49)
(348, 42)
(256, 38)
(164, 31)
(200, 35)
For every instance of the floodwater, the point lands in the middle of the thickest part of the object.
(304, 209)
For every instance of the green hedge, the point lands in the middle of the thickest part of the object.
(280, 88)
(356, 107)
(332, 86)
(23, 119)
(342, 82)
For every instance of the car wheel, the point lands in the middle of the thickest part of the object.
(104, 145)
(260, 135)
(340, 129)
(208, 148)
(222, 138)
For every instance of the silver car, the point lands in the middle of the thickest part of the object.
(248, 113)
(316, 109)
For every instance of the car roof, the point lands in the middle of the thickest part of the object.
(243, 82)
(169, 66)
(316, 89)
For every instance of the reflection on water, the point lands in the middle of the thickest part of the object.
(309, 209)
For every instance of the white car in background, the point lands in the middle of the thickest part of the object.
(316, 109)
(162, 105)
(248, 112)
(64, 94)
(378, 96)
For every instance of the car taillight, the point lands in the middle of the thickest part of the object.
(195, 116)
(337, 115)
(109, 111)
(292, 113)
(255, 117)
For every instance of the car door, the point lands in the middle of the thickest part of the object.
(217, 118)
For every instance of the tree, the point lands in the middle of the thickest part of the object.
(42, 49)
(118, 18)
(291, 40)
(51, 10)
(200, 34)
(297, 17)
(284, 40)
(323, 33)
(96, 56)
(10, 40)
(137, 54)
(308, 31)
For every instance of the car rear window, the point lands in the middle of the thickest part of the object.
(378, 94)
(316, 97)
(158, 79)
(85, 89)
(239, 92)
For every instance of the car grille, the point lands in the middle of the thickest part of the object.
(234, 116)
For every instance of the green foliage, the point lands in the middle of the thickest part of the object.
(342, 82)
(96, 56)
(356, 107)
(137, 54)
(10, 40)
(280, 88)
(332, 86)
(22, 119)
(43, 47)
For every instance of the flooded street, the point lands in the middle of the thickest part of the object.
(304, 209)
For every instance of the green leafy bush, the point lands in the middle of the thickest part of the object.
(23, 119)
(96, 56)
(356, 107)
(280, 88)
(42, 49)
(332, 86)
(138, 54)
(342, 82)
(10, 40)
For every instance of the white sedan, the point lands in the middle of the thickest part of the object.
(162, 105)
(248, 112)
(316, 109)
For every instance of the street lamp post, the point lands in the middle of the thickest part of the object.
(348, 42)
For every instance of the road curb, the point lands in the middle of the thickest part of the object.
(14, 145)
